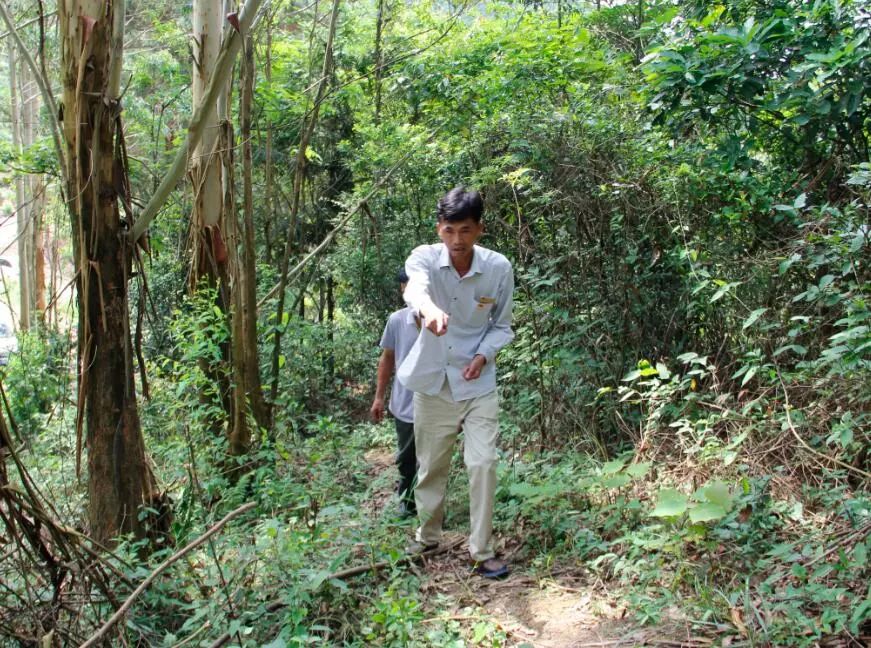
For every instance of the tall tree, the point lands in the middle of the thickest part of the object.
(120, 480)
(22, 206)
(247, 311)
(215, 237)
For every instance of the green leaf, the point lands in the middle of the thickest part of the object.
(860, 555)
(613, 467)
(750, 373)
(663, 371)
(718, 492)
(707, 512)
(632, 375)
(616, 481)
(722, 290)
(639, 469)
(670, 503)
(795, 348)
(755, 315)
(800, 201)
(278, 642)
(281, 360)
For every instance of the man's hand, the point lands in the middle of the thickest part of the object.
(377, 410)
(473, 369)
(436, 320)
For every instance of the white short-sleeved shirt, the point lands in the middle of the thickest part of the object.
(400, 333)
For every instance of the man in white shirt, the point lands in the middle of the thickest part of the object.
(463, 294)
(400, 334)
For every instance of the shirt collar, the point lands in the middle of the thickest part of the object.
(445, 260)
(410, 315)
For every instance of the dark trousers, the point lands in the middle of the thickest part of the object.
(406, 461)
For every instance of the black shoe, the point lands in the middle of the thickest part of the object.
(491, 568)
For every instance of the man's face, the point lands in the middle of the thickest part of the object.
(460, 236)
(402, 286)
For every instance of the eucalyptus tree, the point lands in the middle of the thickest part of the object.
(120, 480)
(215, 231)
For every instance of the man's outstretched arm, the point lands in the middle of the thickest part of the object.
(417, 292)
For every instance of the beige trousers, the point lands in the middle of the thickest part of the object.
(437, 420)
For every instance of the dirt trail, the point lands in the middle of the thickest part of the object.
(558, 609)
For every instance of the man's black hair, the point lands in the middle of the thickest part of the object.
(459, 204)
(401, 276)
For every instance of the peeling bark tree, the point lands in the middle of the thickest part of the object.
(120, 480)
(215, 236)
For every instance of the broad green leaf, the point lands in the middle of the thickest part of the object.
(639, 469)
(663, 371)
(612, 467)
(632, 375)
(707, 512)
(670, 503)
(800, 201)
(616, 481)
(718, 492)
(795, 348)
(860, 555)
(722, 290)
(755, 315)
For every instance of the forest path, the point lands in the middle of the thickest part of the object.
(534, 607)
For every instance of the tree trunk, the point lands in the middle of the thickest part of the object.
(120, 480)
(210, 251)
(215, 234)
(22, 206)
(269, 218)
(35, 261)
(248, 276)
(379, 58)
(38, 225)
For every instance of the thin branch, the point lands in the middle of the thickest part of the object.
(803, 443)
(329, 237)
(95, 638)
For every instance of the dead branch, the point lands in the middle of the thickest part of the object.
(166, 563)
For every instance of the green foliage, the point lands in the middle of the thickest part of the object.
(36, 379)
(690, 242)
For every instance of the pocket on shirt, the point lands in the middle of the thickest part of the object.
(481, 312)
